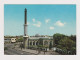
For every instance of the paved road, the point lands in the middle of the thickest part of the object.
(11, 51)
(17, 51)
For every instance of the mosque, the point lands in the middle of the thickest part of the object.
(33, 40)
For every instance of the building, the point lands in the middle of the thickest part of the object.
(33, 40)
(10, 39)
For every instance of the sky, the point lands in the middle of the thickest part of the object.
(41, 19)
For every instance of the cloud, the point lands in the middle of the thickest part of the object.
(28, 23)
(33, 20)
(47, 20)
(51, 28)
(59, 23)
(38, 24)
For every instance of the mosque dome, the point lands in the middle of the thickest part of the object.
(37, 35)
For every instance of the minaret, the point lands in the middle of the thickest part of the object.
(25, 42)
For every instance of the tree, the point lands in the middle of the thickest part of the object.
(40, 41)
(20, 40)
(50, 45)
(40, 44)
(66, 43)
(73, 37)
(73, 50)
(21, 46)
(57, 37)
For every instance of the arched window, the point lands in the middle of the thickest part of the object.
(30, 43)
(34, 43)
(37, 43)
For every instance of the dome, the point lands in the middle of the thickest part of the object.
(37, 35)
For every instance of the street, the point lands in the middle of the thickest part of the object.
(12, 51)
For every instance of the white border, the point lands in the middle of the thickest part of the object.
(38, 57)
